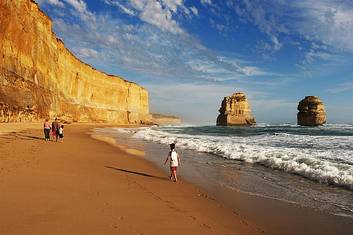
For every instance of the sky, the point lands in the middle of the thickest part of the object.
(190, 54)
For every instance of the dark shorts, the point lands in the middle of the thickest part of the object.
(61, 135)
(173, 168)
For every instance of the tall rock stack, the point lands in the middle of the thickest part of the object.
(235, 110)
(311, 112)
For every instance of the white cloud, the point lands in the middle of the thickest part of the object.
(330, 22)
(277, 45)
(173, 5)
(194, 10)
(206, 2)
(81, 7)
(159, 13)
(146, 50)
(206, 66)
(313, 55)
(86, 53)
(252, 71)
(343, 87)
(121, 6)
(262, 16)
(57, 3)
(154, 14)
(109, 42)
(327, 21)
(243, 69)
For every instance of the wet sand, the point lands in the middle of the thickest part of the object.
(85, 186)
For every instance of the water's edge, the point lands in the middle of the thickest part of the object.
(238, 175)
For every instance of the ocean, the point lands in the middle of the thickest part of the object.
(309, 166)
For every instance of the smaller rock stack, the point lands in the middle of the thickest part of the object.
(311, 112)
(235, 110)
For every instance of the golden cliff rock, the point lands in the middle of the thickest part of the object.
(235, 110)
(311, 112)
(161, 119)
(40, 78)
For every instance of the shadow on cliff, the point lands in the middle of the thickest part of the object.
(136, 173)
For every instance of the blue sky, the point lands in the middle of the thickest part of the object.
(190, 54)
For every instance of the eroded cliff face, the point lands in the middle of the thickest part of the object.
(235, 110)
(40, 78)
(311, 112)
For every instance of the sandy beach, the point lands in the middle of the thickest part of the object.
(255, 95)
(85, 186)
(90, 186)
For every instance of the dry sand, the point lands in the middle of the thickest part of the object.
(85, 186)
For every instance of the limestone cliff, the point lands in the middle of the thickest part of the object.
(161, 119)
(235, 110)
(311, 112)
(40, 78)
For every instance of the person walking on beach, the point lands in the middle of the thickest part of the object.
(55, 129)
(47, 128)
(61, 133)
(174, 160)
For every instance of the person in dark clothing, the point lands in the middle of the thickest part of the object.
(55, 129)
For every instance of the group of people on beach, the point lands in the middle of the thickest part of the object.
(53, 131)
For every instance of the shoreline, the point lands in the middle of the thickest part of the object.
(287, 217)
(87, 186)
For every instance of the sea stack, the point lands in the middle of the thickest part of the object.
(311, 112)
(235, 110)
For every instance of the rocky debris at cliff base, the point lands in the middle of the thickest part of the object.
(311, 112)
(17, 114)
(235, 110)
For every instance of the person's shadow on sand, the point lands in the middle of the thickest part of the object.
(136, 173)
(15, 135)
(26, 137)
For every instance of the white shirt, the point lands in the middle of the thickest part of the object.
(174, 159)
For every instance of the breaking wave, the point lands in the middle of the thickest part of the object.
(322, 154)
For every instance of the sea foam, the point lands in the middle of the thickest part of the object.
(326, 159)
